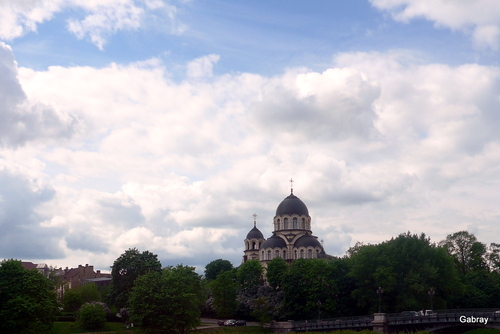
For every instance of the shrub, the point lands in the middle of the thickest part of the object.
(92, 316)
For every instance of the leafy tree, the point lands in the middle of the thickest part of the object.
(249, 276)
(72, 300)
(406, 268)
(309, 288)
(91, 316)
(27, 300)
(469, 254)
(262, 310)
(276, 270)
(167, 301)
(90, 293)
(224, 290)
(494, 256)
(126, 269)
(215, 267)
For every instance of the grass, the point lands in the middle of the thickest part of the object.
(72, 328)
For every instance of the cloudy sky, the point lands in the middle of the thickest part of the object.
(165, 124)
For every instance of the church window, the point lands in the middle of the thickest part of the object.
(277, 253)
(295, 255)
(284, 255)
(303, 223)
(286, 224)
(302, 254)
(253, 246)
(269, 255)
(295, 223)
(262, 258)
(309, 254)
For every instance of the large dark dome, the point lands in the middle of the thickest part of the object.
(292, 205)
(255, 233)
(307, 241)
(274, 242)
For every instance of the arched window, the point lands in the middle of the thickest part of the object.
(302, 254)
(262, 258)
(277, 253)
(303, 224)
(310, 254)
(269, 255)
(286, 224)
(253, 245)
(295, 255)
(295, 223)
(284, 255)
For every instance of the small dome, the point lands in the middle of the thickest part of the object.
(274, 242)
(292, 205)
(255, 233)
(307, 241)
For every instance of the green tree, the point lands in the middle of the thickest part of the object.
(249, 276)
(469, 254)
(72, 300)
(90, 293)
(126, 269)
(310, 288)
(215, 267)
(167, 301)
(276, 270)
(406, 268)
(224, 290)
(27, 300)
(91, 316)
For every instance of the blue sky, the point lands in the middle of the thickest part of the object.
(164, 125)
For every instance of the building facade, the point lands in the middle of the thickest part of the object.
(292, 237)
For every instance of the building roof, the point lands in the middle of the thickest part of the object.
(307, 241)
(274, 242)
(255, 233)
(292, 205)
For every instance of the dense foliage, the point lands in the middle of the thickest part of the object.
(168, 301)
(92, 316)
(27, 300)
(413, 273)
(126, 269)
(215, 267)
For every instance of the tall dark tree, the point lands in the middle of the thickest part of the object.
(275, 273)
(310, 289)
(249, 276)
(224, 290)
(126, 269)
(167, 301)
(406, 267)
(27, 300)
(469, 254)
(215, 267)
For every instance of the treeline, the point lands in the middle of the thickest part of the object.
(412, 272)
(409, 273)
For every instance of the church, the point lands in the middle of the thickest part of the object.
(292, 236)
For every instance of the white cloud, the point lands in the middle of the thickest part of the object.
(101, 19)
(377, 144)
(22, 120)
(202, 67)
(481, 18)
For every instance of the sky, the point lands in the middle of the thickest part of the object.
(166, 124)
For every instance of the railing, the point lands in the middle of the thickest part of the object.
(443, 316)
(337, 323)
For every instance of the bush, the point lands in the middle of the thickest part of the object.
(72, 300)
(91, 316)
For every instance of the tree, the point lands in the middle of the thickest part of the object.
(309, 288)
(167, 301)
(215, 267)
(406, 268)
(469, 254)
(91, 316)
(249, 276)
(72, 300)
(126, 269)
(276, 270)
(90, 293)
(27, 300)
(224, 290)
